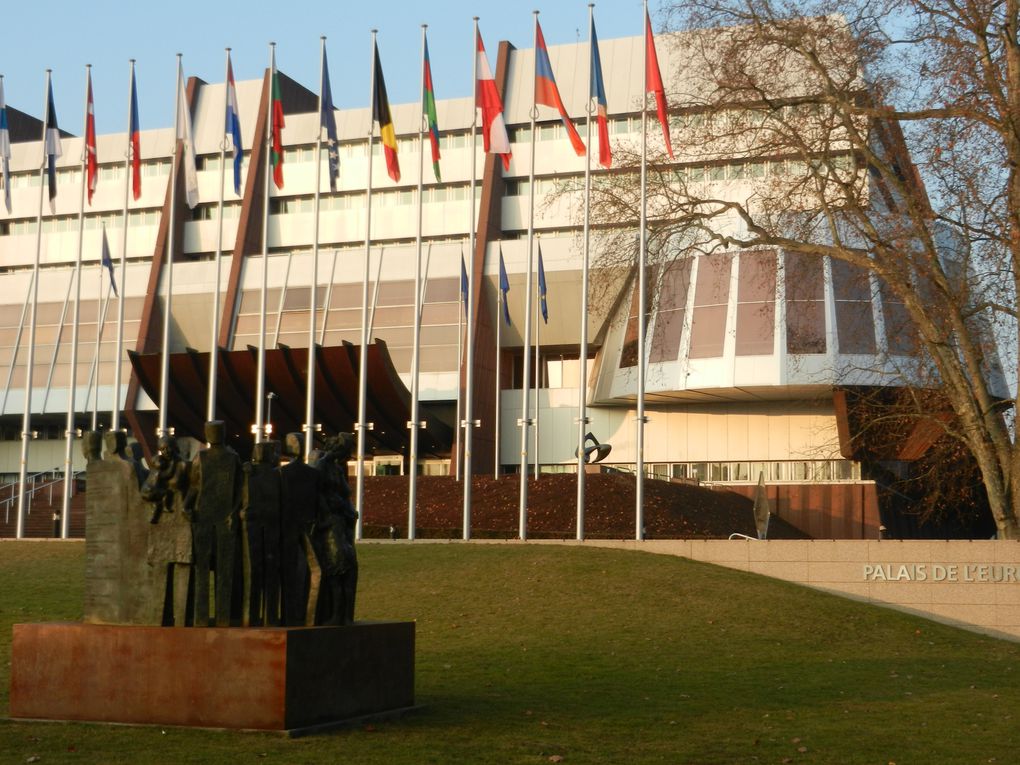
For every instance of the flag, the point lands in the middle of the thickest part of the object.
(598, 92)
(134, 137)
(381, 114)
(52, 143)
(188, 143)
(653, 82)
(327, 120)
(233, 126)
(504, 286)
(542, 286)
(91, 160)
(463, 282)
(546, 92)
(5, 148)
(429, 108)
(107, 263)
(494, 136)
(276, 150)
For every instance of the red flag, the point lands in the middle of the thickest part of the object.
(276, 149)
(135, 140)
(653, 83)
(91, 162)
(546, 92)
(494, 135)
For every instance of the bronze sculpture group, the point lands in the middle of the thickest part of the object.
(244, 544)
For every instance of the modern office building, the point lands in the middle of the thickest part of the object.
(752, 355)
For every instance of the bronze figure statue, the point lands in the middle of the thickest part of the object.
(279, 540)
(260, 518)
(300, 491)
(170, 542)
(333, 538)
(214, 499)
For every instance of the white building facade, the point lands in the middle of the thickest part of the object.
(746, 350)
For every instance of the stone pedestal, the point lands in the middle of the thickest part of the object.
(283, 679)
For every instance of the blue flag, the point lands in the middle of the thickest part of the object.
(327, 119)
(52, 144)
(463, 282)
(504, 285)
(107, 263)
(542, 287)
(233, 126)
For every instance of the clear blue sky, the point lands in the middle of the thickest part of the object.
(64, 35)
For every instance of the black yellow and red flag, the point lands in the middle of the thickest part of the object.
(381, 114)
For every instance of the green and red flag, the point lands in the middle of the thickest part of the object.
(429, 108)
(276, 150)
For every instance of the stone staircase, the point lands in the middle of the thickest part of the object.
(45, 502)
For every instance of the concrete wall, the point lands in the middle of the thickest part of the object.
(969, 584)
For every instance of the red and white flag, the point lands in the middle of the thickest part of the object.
(91, 160)
(494, 135)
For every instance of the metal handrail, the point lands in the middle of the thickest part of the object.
(34, 489)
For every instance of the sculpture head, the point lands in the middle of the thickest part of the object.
(294, 446)
(92, 445)
(168, 448)
(341, 446)
(116, 443)
(266, 453)
(215, 432)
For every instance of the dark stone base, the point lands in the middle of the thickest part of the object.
(280, 679)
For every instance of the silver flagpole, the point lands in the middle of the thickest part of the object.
(115, 413)
(457, 441)
(639, 485)
(164, 371)
(260, 374)
(362, 360)
(468, 423)
(525, 420)
(309, 425)
(414, 424)
(582, 377)
(497, 420)
(102, 307)
(214, 328)
(65, 510)
(26, 422)
(538, 360)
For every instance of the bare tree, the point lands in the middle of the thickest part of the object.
(884, 135)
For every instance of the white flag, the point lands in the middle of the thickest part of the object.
(185, 135)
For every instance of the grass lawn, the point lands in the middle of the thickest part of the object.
(528, 653)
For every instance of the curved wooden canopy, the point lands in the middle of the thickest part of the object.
(388, 404)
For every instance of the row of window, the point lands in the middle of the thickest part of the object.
(718, 122)
(458, 192)
(71, 176)
(231, 210)
(69, 223)
(554, 131)
(809, 471)
(750, 472)
(853, 298)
